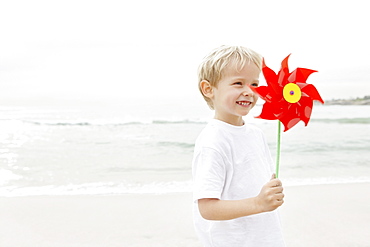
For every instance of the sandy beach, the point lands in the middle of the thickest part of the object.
(316, 215)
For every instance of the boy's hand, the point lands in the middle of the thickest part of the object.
(271, 195)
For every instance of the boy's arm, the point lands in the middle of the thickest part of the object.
(270, 198)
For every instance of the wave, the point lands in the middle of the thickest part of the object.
(102, 122)
(107, 122)
(6, 176)
(185, 121)
(149, 188)
(358, 146)
(343, 120)
(177, 144)
(324, 180)
(99, 189)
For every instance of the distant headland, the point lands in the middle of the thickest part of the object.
(356, 101)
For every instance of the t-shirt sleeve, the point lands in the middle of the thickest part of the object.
(209, 174)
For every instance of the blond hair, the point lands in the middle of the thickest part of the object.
(213, 65)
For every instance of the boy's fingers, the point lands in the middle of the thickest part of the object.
(273, 176)
(275, 182)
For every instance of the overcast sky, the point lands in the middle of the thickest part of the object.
(149, 49)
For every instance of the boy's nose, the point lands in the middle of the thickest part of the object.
(248, 91)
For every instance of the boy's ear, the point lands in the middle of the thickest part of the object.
(206, 88)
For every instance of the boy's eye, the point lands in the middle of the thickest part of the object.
(254, 84)
(238, 83)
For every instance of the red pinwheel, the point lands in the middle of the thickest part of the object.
(288, 97)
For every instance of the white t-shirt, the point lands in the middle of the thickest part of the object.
(232, 163)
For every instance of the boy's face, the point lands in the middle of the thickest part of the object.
(233, 98)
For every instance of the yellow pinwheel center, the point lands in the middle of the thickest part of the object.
(292, 93)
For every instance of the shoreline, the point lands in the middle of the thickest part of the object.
(352, 101)
(312, 215)
(160, 188)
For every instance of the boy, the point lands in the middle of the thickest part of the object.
(234, 194)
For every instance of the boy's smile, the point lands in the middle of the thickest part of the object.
(233, 97)
(244, 103)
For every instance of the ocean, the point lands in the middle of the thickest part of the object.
(96, 148)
